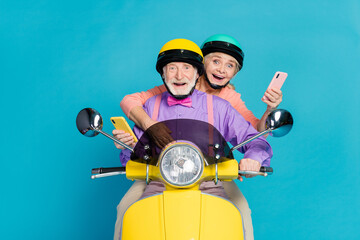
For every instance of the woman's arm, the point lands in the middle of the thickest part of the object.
(159, 133)
(274, 98)
(141, 118)
(132, 106)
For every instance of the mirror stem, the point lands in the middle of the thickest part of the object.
(250, 139)
(115, 140)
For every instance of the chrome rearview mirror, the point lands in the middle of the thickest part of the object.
(89, 123)
(279, 122)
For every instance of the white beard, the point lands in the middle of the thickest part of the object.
(180, 91)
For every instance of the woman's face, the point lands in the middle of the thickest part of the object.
(220, 68)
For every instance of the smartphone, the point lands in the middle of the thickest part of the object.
(121, 124)
(278, 80)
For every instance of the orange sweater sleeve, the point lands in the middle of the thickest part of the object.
(234, 99)
(139, 99)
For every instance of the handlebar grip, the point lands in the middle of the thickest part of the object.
(108, 170)
(268, 170)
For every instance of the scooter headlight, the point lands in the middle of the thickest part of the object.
(181, 164)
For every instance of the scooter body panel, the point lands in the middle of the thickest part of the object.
(182, 214)
(220, 219)
(144, 220)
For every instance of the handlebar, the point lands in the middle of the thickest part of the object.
(113, 171)
(268, 170)
(264, 171)
(107, 172)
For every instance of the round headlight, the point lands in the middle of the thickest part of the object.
(181, 164)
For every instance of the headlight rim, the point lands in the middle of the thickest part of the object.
(178, 143)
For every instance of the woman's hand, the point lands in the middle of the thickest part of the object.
(272, 98)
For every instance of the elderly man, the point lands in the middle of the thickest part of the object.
(180, 62)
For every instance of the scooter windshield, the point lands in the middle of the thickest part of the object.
(202, 134)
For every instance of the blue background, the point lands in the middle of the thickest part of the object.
(57, 57)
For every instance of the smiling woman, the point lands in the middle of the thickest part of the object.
(220, 68)
(229, 55)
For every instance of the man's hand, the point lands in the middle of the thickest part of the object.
(123, 137)
(272, 98)
(247, 164)
(160, 134)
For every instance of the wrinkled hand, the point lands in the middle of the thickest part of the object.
(123, 137)
(160, 134)
(272, 97)
(248, 164)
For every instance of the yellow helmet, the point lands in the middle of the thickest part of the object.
(180, 50)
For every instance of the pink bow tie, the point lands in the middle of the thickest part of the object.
(185, 102)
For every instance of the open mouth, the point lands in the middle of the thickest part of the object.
(179, 84)
(218, 78)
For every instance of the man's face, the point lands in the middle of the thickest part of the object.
(180, 77)
(220, 68)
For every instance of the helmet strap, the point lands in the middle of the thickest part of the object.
(215, 86)
(179, 97)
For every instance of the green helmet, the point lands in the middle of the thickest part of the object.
(225, 44)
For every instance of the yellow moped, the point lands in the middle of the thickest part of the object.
(198, 153)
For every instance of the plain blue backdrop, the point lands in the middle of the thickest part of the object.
(57, 57)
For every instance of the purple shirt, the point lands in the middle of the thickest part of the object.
(227, 120)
